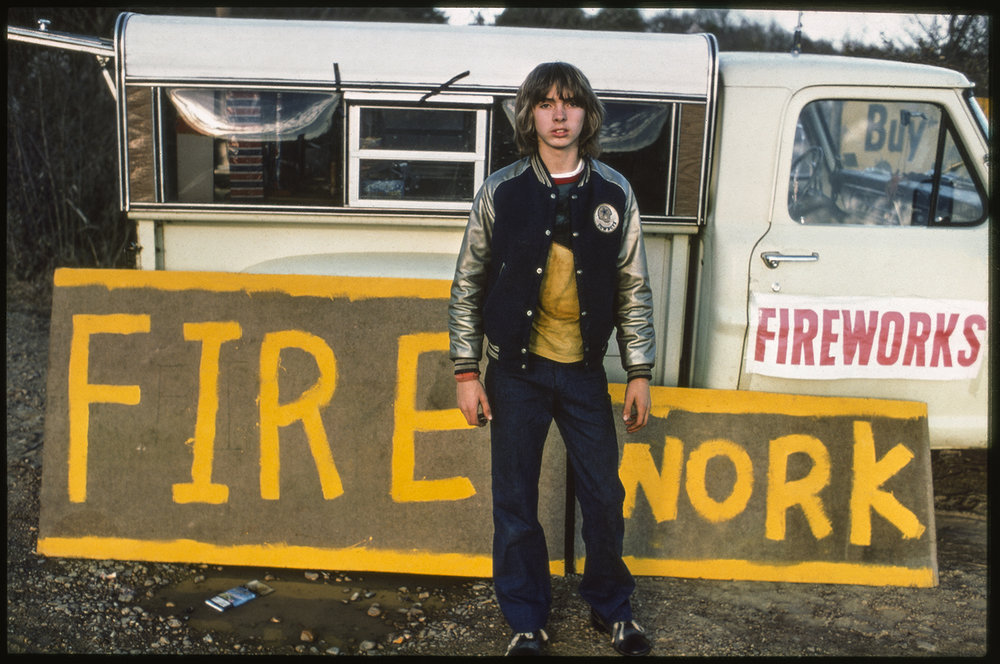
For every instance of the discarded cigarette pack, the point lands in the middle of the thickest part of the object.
(234, 597)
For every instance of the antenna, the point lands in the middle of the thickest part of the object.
(797, 39)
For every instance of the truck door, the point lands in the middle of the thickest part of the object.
(872, 278)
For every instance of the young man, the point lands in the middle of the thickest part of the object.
(551, 263)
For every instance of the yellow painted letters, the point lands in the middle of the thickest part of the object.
(83, 393)
(306, 408)
(201, 489)
(869, 475)
(697, 491)
(804, 492)
(637, 469)
(409, 420)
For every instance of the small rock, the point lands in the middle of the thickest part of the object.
(307, 636)
(374, 611)
(368, 645)
(312, 576)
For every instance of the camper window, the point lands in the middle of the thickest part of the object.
(250, 146)
(657, 146)
(415, 157)
(325, 151)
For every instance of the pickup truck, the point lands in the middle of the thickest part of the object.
(814, 225)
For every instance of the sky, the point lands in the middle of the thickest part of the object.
(832, 26)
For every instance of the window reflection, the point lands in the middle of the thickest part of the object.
(250, 146)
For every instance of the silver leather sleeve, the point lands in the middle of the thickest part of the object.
(465, 313)
(634, 299)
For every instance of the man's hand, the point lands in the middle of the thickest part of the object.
(473, 403)
(638, 403)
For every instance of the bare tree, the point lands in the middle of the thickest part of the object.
(62, 206)
(957, 41)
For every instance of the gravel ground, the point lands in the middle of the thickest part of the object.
(59, 605)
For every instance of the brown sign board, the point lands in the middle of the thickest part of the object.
(777, 487)
(282, 420)
(309, 422)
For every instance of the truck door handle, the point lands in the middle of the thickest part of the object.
(773, 258)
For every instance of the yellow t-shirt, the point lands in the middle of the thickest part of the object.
(555, 332)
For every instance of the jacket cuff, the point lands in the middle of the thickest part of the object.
(466, 365)
(640, 371)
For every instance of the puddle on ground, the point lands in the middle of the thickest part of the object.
(335, 608)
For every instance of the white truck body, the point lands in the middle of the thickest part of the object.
(837, 193)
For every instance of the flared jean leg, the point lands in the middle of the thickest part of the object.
(584, 416)
(521, 420)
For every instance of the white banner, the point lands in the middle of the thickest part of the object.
(824, 338)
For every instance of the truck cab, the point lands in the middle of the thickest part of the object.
(849, 196)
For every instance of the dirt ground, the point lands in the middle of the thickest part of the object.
(126, 607)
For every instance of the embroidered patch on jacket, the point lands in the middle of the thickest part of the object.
(606, 218)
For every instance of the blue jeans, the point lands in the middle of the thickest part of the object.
(524, 404)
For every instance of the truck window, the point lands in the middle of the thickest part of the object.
(880, 163)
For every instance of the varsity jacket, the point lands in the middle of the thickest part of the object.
(503, 256)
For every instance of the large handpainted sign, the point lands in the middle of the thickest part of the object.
(290, 421)
(309, 422)
(777, 487)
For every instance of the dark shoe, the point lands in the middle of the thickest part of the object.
(527, 643)
(626, 635)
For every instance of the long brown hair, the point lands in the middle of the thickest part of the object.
(570, 84)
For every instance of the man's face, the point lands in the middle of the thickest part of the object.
(558, 122)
